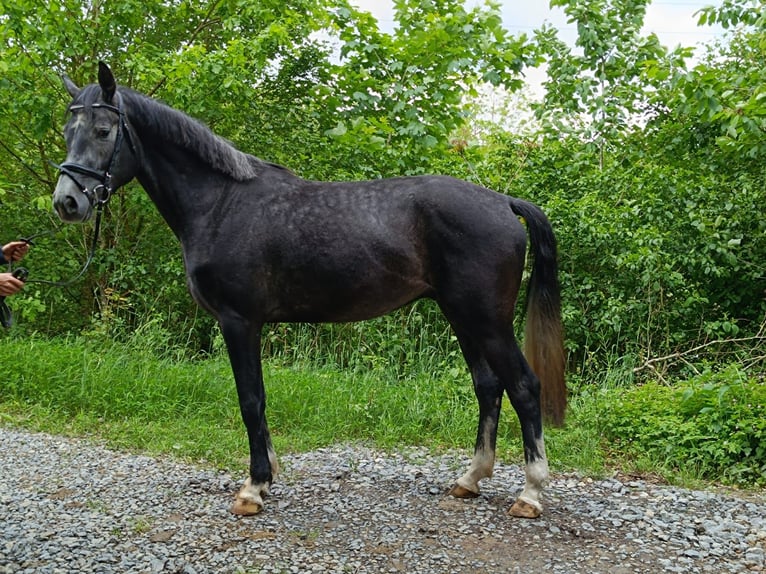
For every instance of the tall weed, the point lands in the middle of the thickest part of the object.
(713, 425)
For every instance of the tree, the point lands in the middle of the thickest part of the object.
(599, 92)
(402, 94)
(726, 92)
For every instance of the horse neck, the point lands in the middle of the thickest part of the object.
(183, 189)
(184, 186)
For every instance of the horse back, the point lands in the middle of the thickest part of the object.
(342, 251)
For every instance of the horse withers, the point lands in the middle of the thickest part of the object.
(261, 245)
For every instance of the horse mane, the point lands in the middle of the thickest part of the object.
(166, 123)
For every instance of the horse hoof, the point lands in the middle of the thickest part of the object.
(462, 492)
(523, 509)
(242, 507)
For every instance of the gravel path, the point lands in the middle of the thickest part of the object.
(67, 506)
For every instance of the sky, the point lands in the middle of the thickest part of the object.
(673, 21)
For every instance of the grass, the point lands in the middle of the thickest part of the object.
(142, 398)
(135, 399)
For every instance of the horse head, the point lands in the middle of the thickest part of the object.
(97, 162)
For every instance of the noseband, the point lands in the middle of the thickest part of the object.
(101, 193)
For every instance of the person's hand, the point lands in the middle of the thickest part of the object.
(9, 284)
(15, 250)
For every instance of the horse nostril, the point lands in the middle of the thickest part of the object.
(65, 206)
(70, 204)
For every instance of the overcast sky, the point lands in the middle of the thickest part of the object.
(672, 20)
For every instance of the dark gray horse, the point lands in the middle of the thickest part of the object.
(262, 245)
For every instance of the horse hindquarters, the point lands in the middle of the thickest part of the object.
(481, 311)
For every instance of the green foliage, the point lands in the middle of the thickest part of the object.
(597, 91)
(714, 423)
(396, 103)
(725, 93)
(655, 255)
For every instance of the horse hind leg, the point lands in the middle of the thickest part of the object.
(489, 393)
(524, 393)
(500, 366)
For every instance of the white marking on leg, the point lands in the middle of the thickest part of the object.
(536, 478)
(273, 462)
(253, 493)
(482, 463)
(249, 499)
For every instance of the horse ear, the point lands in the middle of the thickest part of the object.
(107, 82)
(70, 86)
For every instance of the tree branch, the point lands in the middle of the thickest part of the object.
(650, 363)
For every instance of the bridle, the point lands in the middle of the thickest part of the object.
(100, 195)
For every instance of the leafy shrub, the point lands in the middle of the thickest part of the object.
(714, 423)
(654, 257)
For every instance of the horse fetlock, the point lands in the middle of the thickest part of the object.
(249, 500)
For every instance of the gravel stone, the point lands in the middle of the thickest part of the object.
(69, 506)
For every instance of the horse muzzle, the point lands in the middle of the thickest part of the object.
(71, 204)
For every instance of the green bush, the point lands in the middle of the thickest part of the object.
(713, 424)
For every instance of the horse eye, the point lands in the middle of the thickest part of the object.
(103, 133)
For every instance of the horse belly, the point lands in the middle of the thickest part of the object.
(354, 292)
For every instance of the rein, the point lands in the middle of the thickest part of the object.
(88, 260)
(98, 197)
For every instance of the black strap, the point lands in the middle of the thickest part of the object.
(88, 261)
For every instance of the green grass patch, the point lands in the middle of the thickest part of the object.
(147, 400)
(140, 400)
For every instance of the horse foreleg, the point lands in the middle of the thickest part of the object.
(243, 340)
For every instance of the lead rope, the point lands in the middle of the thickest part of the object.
(21, 273)
(88, 261)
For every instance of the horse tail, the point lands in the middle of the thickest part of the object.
(543, 333)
